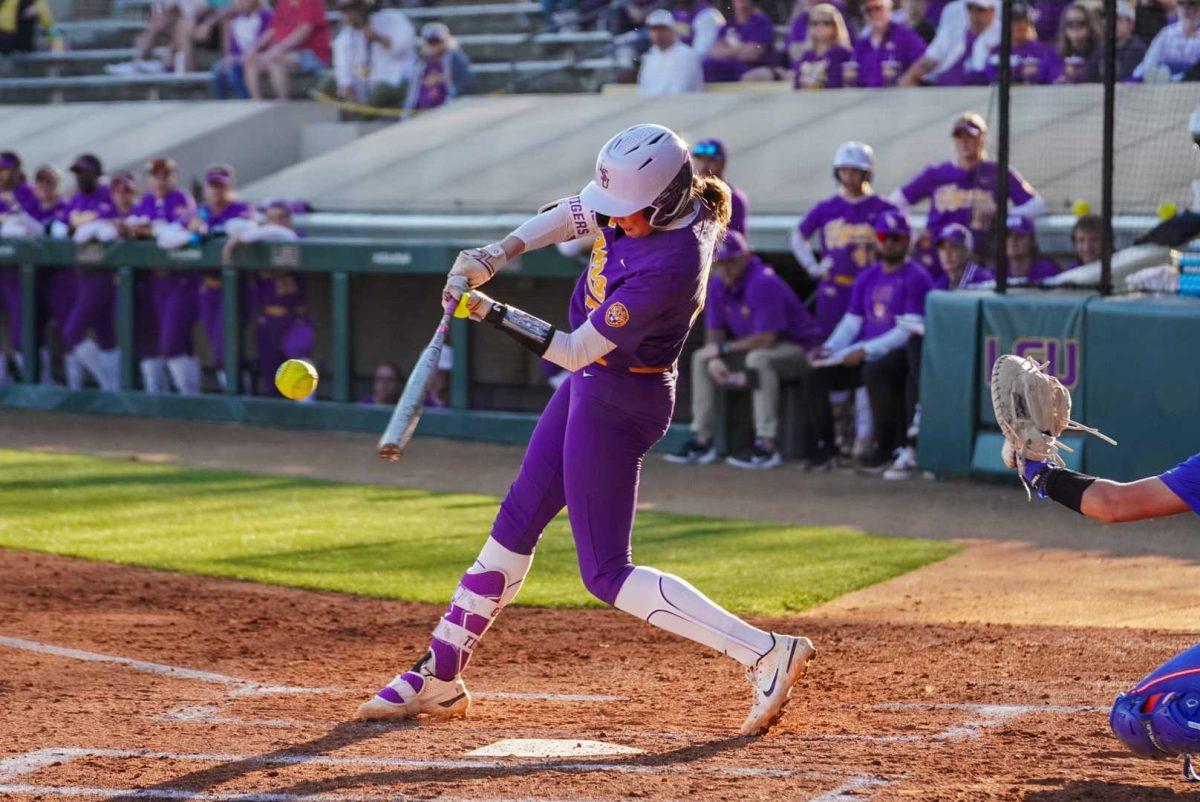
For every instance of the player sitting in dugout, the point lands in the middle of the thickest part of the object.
(754, 318)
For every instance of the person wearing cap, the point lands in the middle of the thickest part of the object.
(697, 24)
(1175, 50)
(371, 53)
(963, 191)
(297, 40)
(669, 67)
(1031, 62)
(440, 71)
(752, 316)
(1131, 49)
(886, 48)
(220, 213)
(870, 345)
(747, 41)
(1026, 264)
(708, 158)
(956, 255)
(958, 48)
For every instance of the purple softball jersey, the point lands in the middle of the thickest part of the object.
(587, 449)
(964, 196)
(87, 206)
(846, 231)
(1031, 63)
(757, 30)
(174, 295)
(739, 210)
(211, 314)
(176, 207)
(282, 328)
(883, 64)
(827, 71)
(797, 38)
(880, 297)
(759, 303)
(972, 276)
(1043, 267)
(20, 197)
(1184, 481)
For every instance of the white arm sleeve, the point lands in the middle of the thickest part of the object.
(266, 231)
(579, 348)
(898, 199)
(894, 338)
(561, 221)
(705, 28)
(845, 332)
(803, 252)
(1034, 207)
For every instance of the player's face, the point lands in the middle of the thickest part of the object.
(218, 194)
(162, 182)
(893, 247)
(968, 148)
(635, 225)
(124, 194)
(1087, 245)
(852, 179)
(86, 180)
(729, 271)
(46, 186)
(1019, 246)
(952, 256)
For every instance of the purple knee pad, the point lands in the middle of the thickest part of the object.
(449, 659)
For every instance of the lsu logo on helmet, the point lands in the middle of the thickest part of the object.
(616, 315)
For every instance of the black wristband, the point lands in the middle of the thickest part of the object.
(531, 332)
(1066, 487)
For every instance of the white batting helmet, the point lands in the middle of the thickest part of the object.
(854, 154)
(643, 167)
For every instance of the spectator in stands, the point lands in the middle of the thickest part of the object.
(1087, 238)
(20, 22)
(282, 327)
(915, 15)
(698, 24)
(845, 228)
(440, 72)
(240, 34)
(961, 191)
(753, 316)
(708, 156)
(669, 67)
(827, 61)
(956, 255)
(1079, 38)
(1176, 48)
(1032, 62)
(386, 385)
(797, 38)
(885, 49)
(1153, 16)
(371, 53)
(627, 23)
(1026, 264)
(746, 42)
(172, 22)
(869, 345)
(297, 40)
(1130, 49)
(961, 45)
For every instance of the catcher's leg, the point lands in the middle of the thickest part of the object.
(434, 685)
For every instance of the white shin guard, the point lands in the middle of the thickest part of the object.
(108, 369)
(82, 359)
(155, 380)
(670, 603)
(185, 373)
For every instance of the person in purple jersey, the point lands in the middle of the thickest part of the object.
(964, 39)
(175, 293)
(1046, 14)
(697, 24)
(279, 299)
(15, 193)
(827, 62)
(963, 191)
(1032, 62)
(871, 345)
(956, 253)
(844, 225)
(746, 42)
(753, 316)
(656, 225)
(709, 158)
(797, 39)
(220, 212)
(885, 49)
(1026, 264)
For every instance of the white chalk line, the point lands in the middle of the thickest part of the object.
(850, 789)
(28, 763)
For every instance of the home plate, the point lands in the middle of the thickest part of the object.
(550, 747)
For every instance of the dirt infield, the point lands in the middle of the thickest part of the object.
(986, 676)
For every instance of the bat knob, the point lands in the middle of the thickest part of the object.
(390, 452)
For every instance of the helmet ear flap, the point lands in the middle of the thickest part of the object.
(672, 201)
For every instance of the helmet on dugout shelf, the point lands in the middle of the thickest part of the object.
(858, 155)
(643, 167)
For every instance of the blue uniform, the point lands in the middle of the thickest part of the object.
(1184, 481)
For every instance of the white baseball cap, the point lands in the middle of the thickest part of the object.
(982, 3)
(660, 18)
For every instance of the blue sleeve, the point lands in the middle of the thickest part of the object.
(1184, 481)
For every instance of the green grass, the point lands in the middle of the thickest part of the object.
(402, 544)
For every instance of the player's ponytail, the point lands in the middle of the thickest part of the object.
(714, 194)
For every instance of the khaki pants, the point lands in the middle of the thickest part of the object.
(784, 360)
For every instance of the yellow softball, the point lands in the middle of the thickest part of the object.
(296, 379)
(1081, 207)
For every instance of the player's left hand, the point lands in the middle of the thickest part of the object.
(478, 265)
(854, 358)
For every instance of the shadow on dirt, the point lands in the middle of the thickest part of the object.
(1096, 791)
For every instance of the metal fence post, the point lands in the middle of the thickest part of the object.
(1004, 79)
(125, 324)
(343, 357)
(30, 346)
(1106, 158)
(232, 326)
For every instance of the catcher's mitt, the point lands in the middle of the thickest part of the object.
(1033, 410)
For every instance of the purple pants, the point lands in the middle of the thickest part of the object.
(10, 296)
(176, 307)
(212, 319)
(280, 338)
(92, 310)
(586, 454)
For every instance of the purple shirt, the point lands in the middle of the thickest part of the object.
(972, 275)
(276, 293)
(823, 72)
(435, 84)
(216, 220)
(757, 30)
(964, 196)
(177, 207)
(1047, 13)
(685, 19)
(739, 208)
(899, 49)
(1032, 63)
(847, 237)
(758, 303)
(957, 74)
(20, 197)
(879, 297)
(643, 293)
(1043, 267)
(95, 205)
(797, 38)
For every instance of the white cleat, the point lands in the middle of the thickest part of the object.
(417, 692)
(772, 678)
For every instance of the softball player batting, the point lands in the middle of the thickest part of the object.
(655, 224)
